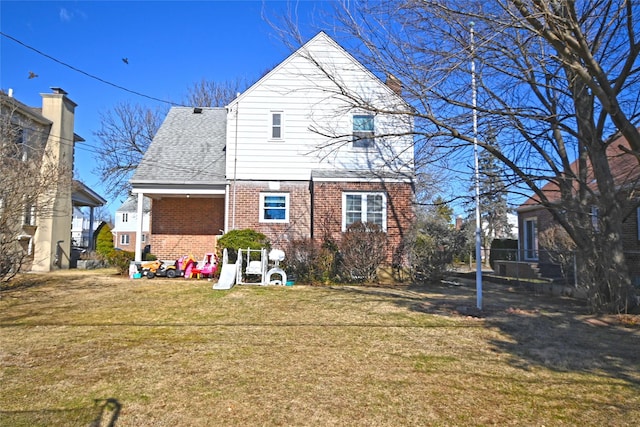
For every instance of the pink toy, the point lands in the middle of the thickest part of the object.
(209, 265)
(188, 265)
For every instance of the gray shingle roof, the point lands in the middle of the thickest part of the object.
(188, 149)
(131, 204)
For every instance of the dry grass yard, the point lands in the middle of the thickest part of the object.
(84, 348)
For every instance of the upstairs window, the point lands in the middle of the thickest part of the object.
(364, 207)
(363, 131)
(125, 217)
(17, 147)
(274, 207)
(276, 125)
(29, 215)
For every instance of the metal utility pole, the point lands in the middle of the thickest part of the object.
(477, 177)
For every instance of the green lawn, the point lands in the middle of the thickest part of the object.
(78, 347)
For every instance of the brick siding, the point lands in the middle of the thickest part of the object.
(247, 211)
(182, 226)
(326, 208)
(327, 212)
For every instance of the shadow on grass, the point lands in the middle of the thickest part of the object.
(537, 330)
(103, 413)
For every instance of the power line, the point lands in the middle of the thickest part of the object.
(88, 74)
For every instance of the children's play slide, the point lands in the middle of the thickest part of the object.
(227, 277)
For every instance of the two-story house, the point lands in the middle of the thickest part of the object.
(315, 145)
(37, 180)
(126, 218)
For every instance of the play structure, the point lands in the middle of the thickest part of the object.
(252, 268)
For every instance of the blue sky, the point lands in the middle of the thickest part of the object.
(169, 46)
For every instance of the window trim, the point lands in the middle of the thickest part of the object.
(530, 254)
(122, 239)
(125, 216)
(363, 213)
(262, 207)
(363, 139)
(272, 126)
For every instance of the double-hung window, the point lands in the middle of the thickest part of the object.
(364, 207)
(124, 239)
(363, 131)
(125, 217)
(276, 125)
(274, 207)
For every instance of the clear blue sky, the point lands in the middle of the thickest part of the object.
(169, 45)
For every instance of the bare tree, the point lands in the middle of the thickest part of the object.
(208, 93)
(124, 135)
(557, 81)
(30, 177)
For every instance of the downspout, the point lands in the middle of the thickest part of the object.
(235, 169)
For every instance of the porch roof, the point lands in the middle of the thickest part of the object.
(186, 152)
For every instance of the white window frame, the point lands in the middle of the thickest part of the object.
(29, 215)
(530, 253)
(124, 239)
(363, 139)
(144, 237)
(273, 126)
(363, 213)
(287, 207)
(125, 217)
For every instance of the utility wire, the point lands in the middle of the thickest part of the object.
(88, 74)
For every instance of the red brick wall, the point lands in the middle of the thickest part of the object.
(182, 226)
(327, 211)
(247, 211)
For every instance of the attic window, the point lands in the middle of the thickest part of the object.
(197, 110)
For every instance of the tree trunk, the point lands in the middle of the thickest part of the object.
(603, 271)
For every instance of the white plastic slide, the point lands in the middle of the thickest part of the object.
(227, 277)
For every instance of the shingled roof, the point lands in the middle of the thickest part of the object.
(187, 150)
(624, 168)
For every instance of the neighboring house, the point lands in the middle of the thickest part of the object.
(290, 157)
(124, 230)
(533, 219)
(44, 232)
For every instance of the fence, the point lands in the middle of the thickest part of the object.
(553, 266)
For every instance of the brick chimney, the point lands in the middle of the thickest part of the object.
(394, 84)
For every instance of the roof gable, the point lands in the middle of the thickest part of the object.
(318, 49)
(624, 166)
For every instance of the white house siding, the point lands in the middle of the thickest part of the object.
(311, 104)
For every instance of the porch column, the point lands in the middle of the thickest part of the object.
(138, 251)
(92, 243)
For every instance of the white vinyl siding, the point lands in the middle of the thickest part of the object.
(312, 115)
(274, 207)
(364, 207)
